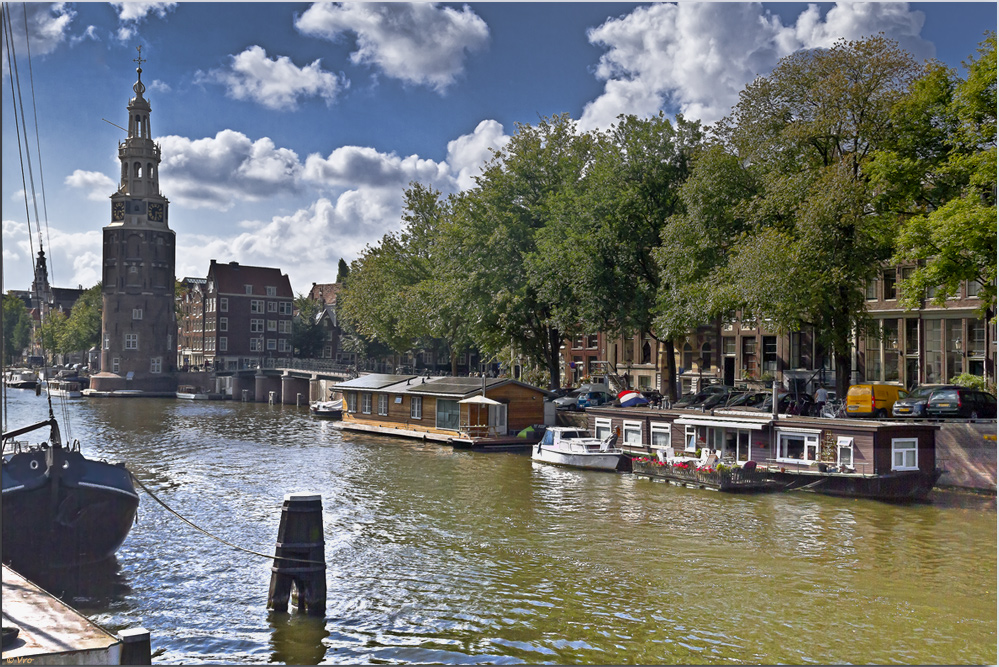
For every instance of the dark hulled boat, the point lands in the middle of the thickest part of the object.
(61, 509)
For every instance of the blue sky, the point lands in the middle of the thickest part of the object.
(290, 130)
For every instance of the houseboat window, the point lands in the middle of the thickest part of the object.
(633, 433)
(903, 454)
(602, 428)
(844, 451)
(447, 414)
(798, 446)
(383, 404)
(351, 401)
(660, 434)
(690, 437)
(366, 403)
(416, 407)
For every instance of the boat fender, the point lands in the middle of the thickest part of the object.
(34, 464)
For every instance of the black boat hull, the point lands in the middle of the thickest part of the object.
(896, 486)
(61, 509)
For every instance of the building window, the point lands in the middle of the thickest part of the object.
(136, 313)
(633, 433)
(115, 364)
(933, 334)
(107, 341)
(271, 290)
(284, 307)
(591, 341)
(844, 451)
(223, 344)
(156, 365)
(271, 325)
(284, 326)
(728, 346)
(888, 291)
(974, 288)
(872, 290)
(416, 407)
(797, 446)
(749, 367)
(256, 306)
(256, 345)
(271, 344)
(602, 428)
(131, 341)
(660, 433)
(366, 403)
(272, 306)
(256, 326)
(904, 454)
(770, 354)
(447, 414)
(223, 324)
(351, 401)
(383, 404)
(223, 304)
(248, 289)
(577, 342)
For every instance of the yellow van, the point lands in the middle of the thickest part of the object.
(873, 399)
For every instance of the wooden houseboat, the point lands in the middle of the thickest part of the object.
(855, 457)
(477, 413)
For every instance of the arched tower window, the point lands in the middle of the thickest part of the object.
(137, 170)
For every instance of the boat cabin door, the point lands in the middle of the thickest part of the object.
(497, 419)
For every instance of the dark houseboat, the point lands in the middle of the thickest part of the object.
(61, 509)
(857, 458)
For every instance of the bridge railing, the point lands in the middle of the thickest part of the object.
(316, 366)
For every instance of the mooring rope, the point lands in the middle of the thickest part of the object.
(216, 537)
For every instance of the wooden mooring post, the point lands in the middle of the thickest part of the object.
(300, 536)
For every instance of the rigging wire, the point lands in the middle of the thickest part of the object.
(38, 149)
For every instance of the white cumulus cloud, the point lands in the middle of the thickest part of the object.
(98, 186)
(694, 58)
(419, 43)
(213, 172)
(275, 83)
(353, 166)
(469, 153)
(48, 26)
(131, 14)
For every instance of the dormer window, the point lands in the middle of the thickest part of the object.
(248, 288)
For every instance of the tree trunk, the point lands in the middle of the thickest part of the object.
(668, 380)
(554, 372)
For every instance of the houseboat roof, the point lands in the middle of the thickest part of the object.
(417, 385)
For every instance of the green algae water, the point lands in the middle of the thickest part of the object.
(443, 556)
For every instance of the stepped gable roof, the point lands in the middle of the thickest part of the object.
(325, 293)
(231, 278)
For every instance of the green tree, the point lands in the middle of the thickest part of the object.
(306, 334)
(809, 242)
(342, 271)
(938, 177)
(16, 328)
(82, 330)
(51, 331)
(517, 286)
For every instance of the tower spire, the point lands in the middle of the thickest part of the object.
(139, 88)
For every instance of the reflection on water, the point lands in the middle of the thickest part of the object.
(443, 556)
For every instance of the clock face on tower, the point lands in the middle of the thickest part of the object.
(156, 212)
(118, 211)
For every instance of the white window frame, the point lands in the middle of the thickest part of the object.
(256, 326)
(107, 341)
(156, 364)
(223, 324)
(352, 401)
(136, 313)
(272, 325)
(660, 428)
(366, 403)
(383, 405)
(115, 364)
(689, 433)
(257, 306)
(416, 407)
(270, 290)
(131, 341)
(630, 428)
(811, 444)
(248, 289)
(844, 443)
(272, 307)
(602, 428)
(900, 448)
(272, 344)
(284, 307)
(223, 343)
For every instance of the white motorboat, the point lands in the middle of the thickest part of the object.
(21, 379)
(327, 409)
(65, 389)
(191, 393)
(575, 447)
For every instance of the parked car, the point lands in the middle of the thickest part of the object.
(872, 399)
(692, 400)
(747, 399)
(961, 402)
(567, 401)
(591, 399)
(914, 405)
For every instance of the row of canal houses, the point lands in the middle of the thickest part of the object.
(892, 460)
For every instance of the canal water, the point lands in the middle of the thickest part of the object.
(442, 556)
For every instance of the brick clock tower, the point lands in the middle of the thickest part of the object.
(138, 327)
